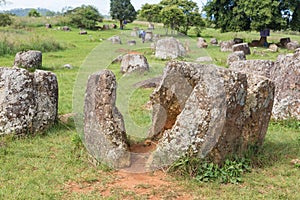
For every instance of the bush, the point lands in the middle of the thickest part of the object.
(84, 17)
(5, 19)
(230, 172)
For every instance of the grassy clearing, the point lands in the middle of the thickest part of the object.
(48, 166)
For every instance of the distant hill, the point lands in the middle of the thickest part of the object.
(24, 11)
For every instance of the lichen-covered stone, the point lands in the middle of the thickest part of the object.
(235, 56)
(208, 112)
(169, 48)
(286, 76)
(46, 98)
(29, 59)
(134, 62)
(258, 67)
(104, 130)
(28, 101)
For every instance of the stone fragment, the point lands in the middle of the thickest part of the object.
(214, 41)
(201, 43)
(104, 130)
(235, 56)
(273, 48)
(28, 59)
(293, 45)
(242, 47)
(115, 40)
(169, 47)
(134, 62)
(226, 45)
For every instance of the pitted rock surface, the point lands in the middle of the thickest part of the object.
(208, 112)
(235, 56)
(285, 73)
(258, 67)
(169, 48)
(28, 101)
(29, 59)
(104, 129)
(134, 62)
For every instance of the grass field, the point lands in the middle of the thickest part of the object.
(46, 166)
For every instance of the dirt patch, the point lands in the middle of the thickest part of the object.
(152, 186)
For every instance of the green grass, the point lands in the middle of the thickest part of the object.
(46, 166)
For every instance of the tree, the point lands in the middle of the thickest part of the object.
(84, 17)
(150, 12)
(179, 15)
(122, 10)
(240, 15)
(34, 13)
(5, 20)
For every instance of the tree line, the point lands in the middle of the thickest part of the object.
(241, 15)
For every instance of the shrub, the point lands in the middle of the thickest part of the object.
(5, 19)
(230, 172)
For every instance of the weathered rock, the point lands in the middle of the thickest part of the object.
(284, 41)
(118, 59)
(104, 130)
(66, 28)
(68, 66)
(273, 48)
(48, 25)
(214, 41)
(28, 101)
(29, 59)
(134, 62)
(201, 43)
(46, 100)
(293, 45)
(204, 59)
(235, 56)
(82, 32)
(238, 40)
(208, 112)
(148, 36)
(258, 67)
(169, 48)
(149, 83)
(242, 47)
(286, 75)
(131, 42)
(226, 45)
(115, 40)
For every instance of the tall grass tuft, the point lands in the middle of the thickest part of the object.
(13, 42)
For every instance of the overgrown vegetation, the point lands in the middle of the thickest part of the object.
(200, 170)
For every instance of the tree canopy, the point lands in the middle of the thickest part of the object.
(84, 17)
(179, 15)
(34, 13)
(240, 15)
(122, 10)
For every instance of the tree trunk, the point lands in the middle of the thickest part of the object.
(121, 24)
(263, 41)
